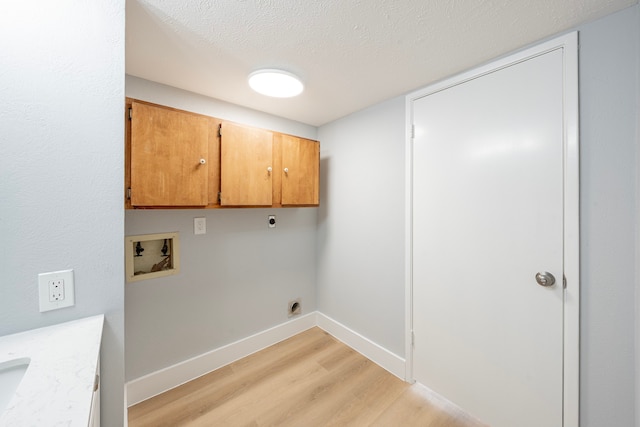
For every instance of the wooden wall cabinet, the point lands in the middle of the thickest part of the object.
(300, 171)
(173, 157)
(179, 159)
(264, 168)
(246, 168)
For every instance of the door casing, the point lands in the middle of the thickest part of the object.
(571, 251)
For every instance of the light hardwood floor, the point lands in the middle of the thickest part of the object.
(308, 380)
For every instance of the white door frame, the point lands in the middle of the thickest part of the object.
(571, 251)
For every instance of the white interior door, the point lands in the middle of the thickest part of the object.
(487, 216)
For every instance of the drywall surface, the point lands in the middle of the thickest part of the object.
(235, 280)
(608, 215)
(361, 223)
(61, 169)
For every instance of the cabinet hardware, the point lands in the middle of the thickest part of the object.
(129, 193)
(130, 113)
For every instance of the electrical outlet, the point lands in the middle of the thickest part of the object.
(56, 290)
(271, 219)
(199, 225)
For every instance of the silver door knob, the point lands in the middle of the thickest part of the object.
(546, 279)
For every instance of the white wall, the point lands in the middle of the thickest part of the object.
(360, 231)
(361, 223)
(61, 168)
(236, 280)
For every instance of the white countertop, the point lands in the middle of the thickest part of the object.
(57, 387)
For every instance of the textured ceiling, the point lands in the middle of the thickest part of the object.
(350, 54)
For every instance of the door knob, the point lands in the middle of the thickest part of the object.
(546, 279)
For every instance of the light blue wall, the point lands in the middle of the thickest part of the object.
(361, 223)
(360, 228)
(609, 216)
(234, 281)
(61, 168)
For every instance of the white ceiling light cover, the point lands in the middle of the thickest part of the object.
(275, 83)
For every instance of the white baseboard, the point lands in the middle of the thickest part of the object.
(158, 382)
(364, 346)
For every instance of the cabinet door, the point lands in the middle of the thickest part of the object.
(246, 166)
(300, 171)
(169, 165)
(94, 412)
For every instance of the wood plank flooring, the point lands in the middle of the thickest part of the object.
(309, 380)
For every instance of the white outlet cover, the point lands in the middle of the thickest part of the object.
(199, 225)
(46, 281)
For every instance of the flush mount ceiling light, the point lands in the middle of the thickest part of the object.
(276, 83)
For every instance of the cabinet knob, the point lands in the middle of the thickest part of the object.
(203, 161)
(286, 170)
(269, 169)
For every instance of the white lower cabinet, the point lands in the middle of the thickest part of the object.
(94, 414)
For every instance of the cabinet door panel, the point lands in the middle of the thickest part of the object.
(300, 171)
(166, 149)
(246, 160)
